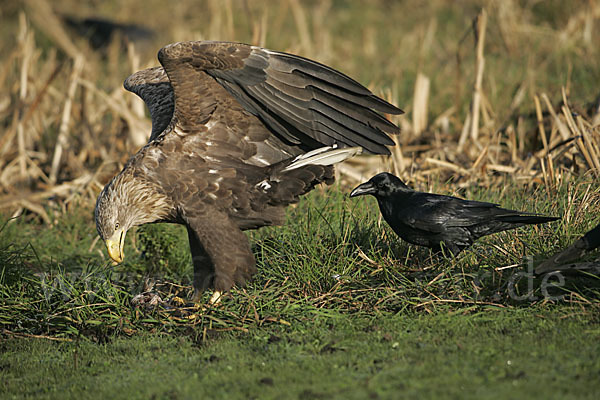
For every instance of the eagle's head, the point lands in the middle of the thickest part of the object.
(126, 202)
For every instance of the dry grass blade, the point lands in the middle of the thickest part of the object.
(45, 19)
(63, 190)
(481, 25)
(446, 164)
(548, 176)
(302, 26)
(61, 142)
(30, 336)
(562, 128)
(420, 104)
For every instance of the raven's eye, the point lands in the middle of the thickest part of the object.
(116, 226)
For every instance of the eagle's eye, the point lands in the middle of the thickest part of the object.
(116, 226)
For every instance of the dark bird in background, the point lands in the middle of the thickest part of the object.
(238, 133)
(100, 31)
(428, 219)
(585, 244)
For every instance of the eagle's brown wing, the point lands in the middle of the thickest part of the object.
(153, 86)
(304, 103)
(232, 153)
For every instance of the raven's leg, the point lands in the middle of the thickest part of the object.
(453, 248)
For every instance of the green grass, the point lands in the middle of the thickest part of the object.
(333, 254)
(318, 321)
(493, 353)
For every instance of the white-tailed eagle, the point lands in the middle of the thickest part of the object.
(238, 133)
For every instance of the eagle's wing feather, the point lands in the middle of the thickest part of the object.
(153, 86)
(301, 101)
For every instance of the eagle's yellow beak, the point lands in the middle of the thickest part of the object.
(115, 245)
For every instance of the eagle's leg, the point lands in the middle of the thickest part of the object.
(204, 270)
(225, 246)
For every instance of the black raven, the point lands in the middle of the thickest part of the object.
(586, 243)
(428, 219)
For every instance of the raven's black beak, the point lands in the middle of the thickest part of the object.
(365, 188)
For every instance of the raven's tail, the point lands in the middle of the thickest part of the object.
(504, 220)
(525, 218)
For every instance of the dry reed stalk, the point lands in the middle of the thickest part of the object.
(26, 43)
(302, 26)
(46, 20)
(216, 20)
(420, 104)
(501, 168)
(259, 29)
(119, 107)
(319, 20)
(581, 140)
(593, 138)
(447, 165)
(562, 128)
(590, 144)
(62, 190)
(480, 158)
(508, 18)
(540, 121)
(512, 143)
(548, 178)
(61, 141)
(7, 65)
(544, 173)
(481, 25)
(464, 132)
(228, 8)
(138, 107)
(397, 159)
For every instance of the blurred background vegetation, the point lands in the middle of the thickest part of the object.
(520, 104)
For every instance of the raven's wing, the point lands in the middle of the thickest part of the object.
(302, 102)
(437, 213)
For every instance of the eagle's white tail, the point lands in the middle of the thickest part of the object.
(323, 156)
